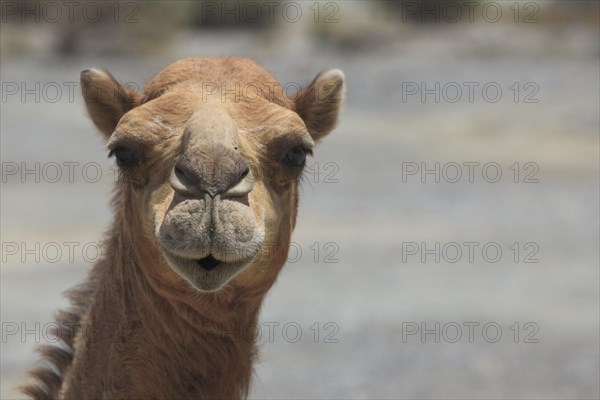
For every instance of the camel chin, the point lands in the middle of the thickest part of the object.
(206, 274)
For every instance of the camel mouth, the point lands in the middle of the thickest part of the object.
(208, 263)
(206, 274)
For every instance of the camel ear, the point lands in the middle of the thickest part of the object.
(106, 99)
(320, 103)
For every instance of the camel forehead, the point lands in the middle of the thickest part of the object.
(186, 106)
(220, 71)
(195, 87)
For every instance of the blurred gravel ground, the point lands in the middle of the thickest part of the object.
(368, 214)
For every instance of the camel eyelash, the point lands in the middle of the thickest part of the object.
(125, 157)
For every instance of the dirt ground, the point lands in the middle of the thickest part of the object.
(376, 320)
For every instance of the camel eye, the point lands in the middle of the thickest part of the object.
(296, 156)
(124, 156)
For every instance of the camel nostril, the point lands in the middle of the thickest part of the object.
(185, 181)
(180, 173)
(180, 168)
(193, 177)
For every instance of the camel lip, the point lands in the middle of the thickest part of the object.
(208, 263)
(206, 274)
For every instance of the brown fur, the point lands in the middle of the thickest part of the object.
(139, 328)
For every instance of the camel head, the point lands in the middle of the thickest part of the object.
(209, 157)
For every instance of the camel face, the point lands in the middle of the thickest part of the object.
(212, 181)
(212, 178)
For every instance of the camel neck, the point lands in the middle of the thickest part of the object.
(156, 328)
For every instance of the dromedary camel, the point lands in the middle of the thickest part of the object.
(209, 158)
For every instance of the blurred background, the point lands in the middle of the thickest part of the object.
(447, 243)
